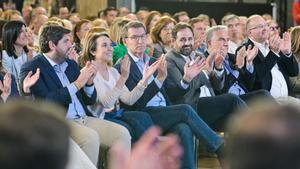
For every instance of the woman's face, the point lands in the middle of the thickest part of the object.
(166, 33)
(83, 30)
(22, 39)
(104, 49)
(153, 21)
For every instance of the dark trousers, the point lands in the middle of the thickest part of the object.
(171, 118)
(216, 110)
(136, 122)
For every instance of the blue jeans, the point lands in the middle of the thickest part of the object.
(185, 135)
(169, 116)
(136, 122)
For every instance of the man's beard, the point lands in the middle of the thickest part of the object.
(186, 50)
(60, 57)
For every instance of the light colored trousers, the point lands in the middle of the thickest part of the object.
(89, 132)
(78, 159)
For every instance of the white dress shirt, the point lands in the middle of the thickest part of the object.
(279, 86)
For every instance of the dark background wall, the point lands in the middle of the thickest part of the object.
(217, 10)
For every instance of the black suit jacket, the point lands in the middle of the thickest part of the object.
(245, 78)
(49, 86)
(152, 89)
(288, 66)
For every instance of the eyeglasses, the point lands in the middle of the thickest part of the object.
(259, 27)
(138, 37)
(273, 28)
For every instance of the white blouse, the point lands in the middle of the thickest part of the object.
(108, 94)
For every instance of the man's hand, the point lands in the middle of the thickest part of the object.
(192, 70)
(162, 69)
(30, 80)
(148, 153)
(286, 43)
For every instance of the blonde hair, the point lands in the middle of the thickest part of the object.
(115, 31)
(9, 13)
(100, 23)
(295, 37)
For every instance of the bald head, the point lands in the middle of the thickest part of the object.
(257, 28)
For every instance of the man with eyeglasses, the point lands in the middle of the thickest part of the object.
(274, 62)
(181, 119)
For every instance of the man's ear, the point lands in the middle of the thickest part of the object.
(51, 45)
(124, 40)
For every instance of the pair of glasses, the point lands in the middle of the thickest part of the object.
(138, 37)
(273, 28)
(259, 27)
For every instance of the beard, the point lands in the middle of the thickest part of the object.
(186, 50)
(60, 56)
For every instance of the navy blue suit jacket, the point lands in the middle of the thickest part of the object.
(49, 86)
(152, 89)
(288, 66)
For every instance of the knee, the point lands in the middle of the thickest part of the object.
(123, 135)
(183, 131)
(92, 138)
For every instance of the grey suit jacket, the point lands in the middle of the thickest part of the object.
(177, 94)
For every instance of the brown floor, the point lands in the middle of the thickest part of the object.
(208, 163)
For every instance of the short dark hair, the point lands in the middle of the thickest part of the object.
(132, 24)
(178, 14)
(179, 26)
(11, 31)
(111, 8)
(52, 33)
(33, 137)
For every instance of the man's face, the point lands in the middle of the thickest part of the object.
(258, 29)
(111, 16)
(234, 28)
(136, 41)
(62, 47)
(199, 29)
(184, 41)
(219, 41)
(184, 18)
(63, 13)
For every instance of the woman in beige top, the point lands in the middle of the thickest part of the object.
(110, 85)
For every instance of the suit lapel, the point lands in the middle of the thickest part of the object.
(179, 61)
(136, 74)
(50, 71)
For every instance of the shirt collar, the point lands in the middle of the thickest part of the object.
(263, 45)
(52, 63)
(62, 66)
(137, 59)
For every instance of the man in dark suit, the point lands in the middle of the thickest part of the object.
(274, 62)
(239, 70)
(192, 80)
(156, 102)
(62, 82)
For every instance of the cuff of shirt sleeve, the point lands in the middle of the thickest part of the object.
(289, 55)
(89, 90)
(250, 68)
(219, 72)
(158, 83)
(183, 85)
